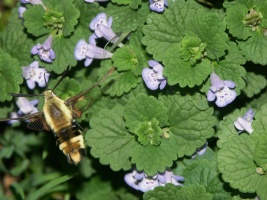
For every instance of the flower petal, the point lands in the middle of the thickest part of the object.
(129, 179)
(157, 6)
(150, 78)
(211, 96)
(229, 84)
(225, 96)
(245, 124)
(101, 18)
(148, 184)
(80, 50)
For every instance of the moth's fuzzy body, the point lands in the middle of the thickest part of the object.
(68, 133)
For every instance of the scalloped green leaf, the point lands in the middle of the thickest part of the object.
(204, 172)
(210, 28)
(178, 71)
(234, 17)
(259, 124)
(144, 108)
(190, 124)
(255, 83)
(10, 76)
(126, 19)
(153, 159)
(255, 48)
(235, 162)
(33, 20)
(109, 140)
(171, 192)
(123, 83)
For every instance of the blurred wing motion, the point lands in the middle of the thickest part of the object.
(59, 116)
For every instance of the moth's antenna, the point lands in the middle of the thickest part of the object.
(24, 95)
(63, 76)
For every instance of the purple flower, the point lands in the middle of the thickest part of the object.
(102, 28)
(244, 123)
(33, 73)
(154, 77)
(26, 106)
(44, 50)
(140, 181)
(220, 89)
(158, 5)
(21, 10)
(90, 51)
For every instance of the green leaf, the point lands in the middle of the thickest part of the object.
(178, 71)
(16, 42)
(47, 187)
(255, 83)
(123, 83)
(255, 48)
(260, 154)
(235, 162)
(128, 58)
(10, 76)
(20, 168)
(205, 172)
(109, 139)
(209, 27)
(17, 190)
(144, 108)
(171, 192)
(234, 17)
(33, 20)
(153, 159)
(191, 122)
(127, 19)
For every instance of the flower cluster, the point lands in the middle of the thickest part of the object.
(45, 51)
(154, 77)
(244, 123)
(140, 181)
(33, 73)
(220, 89)
(102, 28)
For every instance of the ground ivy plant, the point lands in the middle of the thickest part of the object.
(182, 115)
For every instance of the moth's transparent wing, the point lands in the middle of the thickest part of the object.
(81, 102)
(36, 121)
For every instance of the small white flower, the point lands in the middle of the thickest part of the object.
(26, 106)
(220, 90)
(154, 77)
(33, 73)
(244, 123)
